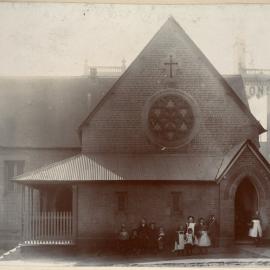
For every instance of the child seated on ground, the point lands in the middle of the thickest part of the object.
(179, 244)
(189, 241)
(161, 239)
(123, 239)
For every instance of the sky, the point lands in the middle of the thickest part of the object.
(55, 39)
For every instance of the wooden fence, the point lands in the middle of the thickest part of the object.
(48, 228)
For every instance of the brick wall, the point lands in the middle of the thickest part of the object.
(118, 125)
(248, 166)
(98, 216)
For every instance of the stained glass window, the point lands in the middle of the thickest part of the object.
(170, 119)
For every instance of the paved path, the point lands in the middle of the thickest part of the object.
(210, 262)
(236, 256)
(259, 251)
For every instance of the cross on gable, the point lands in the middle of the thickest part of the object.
(171, 63)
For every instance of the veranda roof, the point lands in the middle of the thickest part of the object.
(100, 167)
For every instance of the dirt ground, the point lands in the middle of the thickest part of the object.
(50, 256)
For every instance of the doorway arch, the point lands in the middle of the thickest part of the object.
(245, 205)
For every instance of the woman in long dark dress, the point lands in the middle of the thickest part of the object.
(143, 236)
(153, 238)
(213, 230)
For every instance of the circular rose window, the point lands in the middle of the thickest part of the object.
(171, 118)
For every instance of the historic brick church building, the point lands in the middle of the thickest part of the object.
(171, 138)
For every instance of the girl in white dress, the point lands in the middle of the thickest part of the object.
(189, 242)
(179, 244)
(191, 225)
(255, 230)
(202, 235)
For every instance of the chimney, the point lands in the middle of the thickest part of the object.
(240, 55)
(86, 67)
(93, 73)
(89, 99)
(123, 67)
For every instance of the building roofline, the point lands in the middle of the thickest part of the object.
(207, 62)
(247, 144)
(212, 67)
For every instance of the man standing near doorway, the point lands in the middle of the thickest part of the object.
(213, 230)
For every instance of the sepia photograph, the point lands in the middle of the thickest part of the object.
(134, 135)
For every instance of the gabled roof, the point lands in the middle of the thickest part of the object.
(232, 156)
(179, 29)
(101, 167)
(229, 157)
(44, 112)
(237, 84)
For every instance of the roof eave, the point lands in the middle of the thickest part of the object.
(38, 181)
(254, 149)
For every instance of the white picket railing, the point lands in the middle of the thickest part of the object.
(48, 228)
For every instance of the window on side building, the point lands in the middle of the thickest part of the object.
(12, 168)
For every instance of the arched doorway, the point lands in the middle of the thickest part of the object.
(246, 204)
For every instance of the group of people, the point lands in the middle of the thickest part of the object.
(147, 237)
(144, 238)
(202, 234)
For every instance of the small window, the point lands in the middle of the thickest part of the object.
(176, 202)
(121, 201)
(12, 169)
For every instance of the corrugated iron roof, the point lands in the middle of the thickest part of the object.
(128, 167)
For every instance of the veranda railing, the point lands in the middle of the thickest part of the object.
(48, 228)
